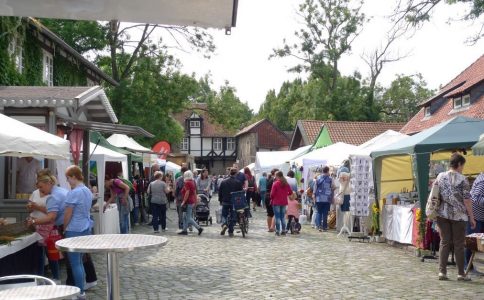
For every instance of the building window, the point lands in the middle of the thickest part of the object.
(48, 69)
(195, 124)
(457, 102)
(16, 53)
(427, 111)
(466, 100)
(184, 144)
(217, 144)
(230, 144)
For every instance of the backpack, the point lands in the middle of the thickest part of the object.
(180, 182)
(128, 183)
(323, 191)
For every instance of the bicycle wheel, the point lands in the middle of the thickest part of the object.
(246, 222)
(242, 226)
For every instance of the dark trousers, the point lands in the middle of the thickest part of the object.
(250, 195)
(452, 233)
(159, 215)
(322, 214)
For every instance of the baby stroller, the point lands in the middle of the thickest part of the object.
(202, 210)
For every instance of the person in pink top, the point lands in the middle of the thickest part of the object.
(292, 213)
(280, 191)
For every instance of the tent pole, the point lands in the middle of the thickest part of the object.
(422, 161)
(85, 157)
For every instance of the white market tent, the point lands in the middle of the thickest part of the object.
(102, 155)
(332, 155)
(199, 13)
(268, 160)
(19, 139)
(124, 141)
(386, 138)
(169, 166)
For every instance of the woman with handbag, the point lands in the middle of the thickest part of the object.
(453, 213)
(119, 192)
(189, 196)
(37, 207)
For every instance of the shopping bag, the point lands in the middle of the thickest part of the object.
(52, 252)
(433, 202)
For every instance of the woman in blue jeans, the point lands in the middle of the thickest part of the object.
(119, 193)
(77, 220)
(280, 191)
(323, 193)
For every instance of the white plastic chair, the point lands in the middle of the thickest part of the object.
(34, 280)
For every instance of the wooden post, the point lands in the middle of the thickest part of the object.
(85, 156)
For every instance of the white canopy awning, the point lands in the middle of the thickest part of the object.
(20, 140)
(124, 141)
(199, 13)
(332, 155)
(387, 138)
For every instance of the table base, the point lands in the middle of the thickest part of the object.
(113, 291)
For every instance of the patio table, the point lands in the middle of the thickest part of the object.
(112, 244)
(40, 292)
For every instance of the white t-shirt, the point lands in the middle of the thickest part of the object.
(27, 175)
(292, 183)
(41, 201)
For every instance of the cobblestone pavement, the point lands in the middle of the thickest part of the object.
(311, 265)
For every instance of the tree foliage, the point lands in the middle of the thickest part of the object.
(415, 12)
(399, 102)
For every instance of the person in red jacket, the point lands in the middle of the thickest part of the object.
(279, 193)
(189, 194)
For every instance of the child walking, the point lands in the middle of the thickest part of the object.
(292, 215)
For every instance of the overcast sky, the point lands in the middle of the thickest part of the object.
(438, 50)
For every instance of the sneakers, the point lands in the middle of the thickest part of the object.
(463, 278)
(224, 228)
(443, 276)
(156, 231)
(200, 230)
(277, 233)
(183, 233)
(89, 285)
(283, 233)
(163, 230)
(231, 234)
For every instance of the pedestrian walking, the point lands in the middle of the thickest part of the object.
(189, 194)
(180, 182)
(251, 188)
(262, 188)
(454, 212)
(227, 187)
(158, 190)
(280, 192)
(270, 210)
(477, 197)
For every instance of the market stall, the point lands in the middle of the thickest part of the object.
(404, 170)
(107, 220)
(21, 140)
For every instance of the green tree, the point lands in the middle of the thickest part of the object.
(399, 102)
(227, 109)
(415, 12)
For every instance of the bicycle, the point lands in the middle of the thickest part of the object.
(239, 207)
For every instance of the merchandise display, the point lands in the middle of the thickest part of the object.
(361, 185)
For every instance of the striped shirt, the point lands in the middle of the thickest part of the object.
(477, 194)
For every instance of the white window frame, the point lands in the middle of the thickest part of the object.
(427, 112)
(457, 102)
(217, 144)
(48, 68)
(466, 100)
(15, 50)
(230, 144)
(194, 124)
(184, 144)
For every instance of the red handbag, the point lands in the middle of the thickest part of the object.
(52, 252)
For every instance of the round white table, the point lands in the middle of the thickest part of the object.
(40, 292)
(112, 244)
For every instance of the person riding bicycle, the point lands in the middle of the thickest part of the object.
(228, 186)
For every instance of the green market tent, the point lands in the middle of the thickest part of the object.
(457, 133)
(323, 139)
(97, 138)
(478, 149)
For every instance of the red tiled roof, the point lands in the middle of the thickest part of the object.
(210, 128)
(464, 82)
(419, 122)
(354, 133)
(248, 128)
(471, 76)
